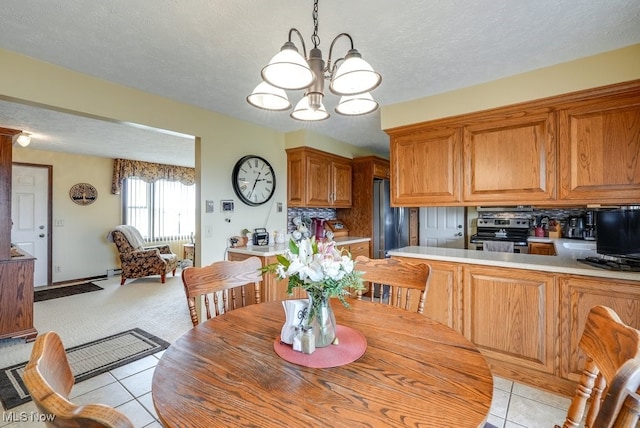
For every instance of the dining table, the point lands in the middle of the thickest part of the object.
(409, 370)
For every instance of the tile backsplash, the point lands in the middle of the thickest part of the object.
(304, 213)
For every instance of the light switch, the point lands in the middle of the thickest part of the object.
(208, 206)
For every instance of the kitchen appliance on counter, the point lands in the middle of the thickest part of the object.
(574, 227)
(260, 237)
(317, 227)
(390, 225)
(502, 228)
(589, 231)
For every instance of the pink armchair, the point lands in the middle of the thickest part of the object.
(138, 261)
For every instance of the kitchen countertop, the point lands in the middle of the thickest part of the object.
(275, 249)
(564, 262)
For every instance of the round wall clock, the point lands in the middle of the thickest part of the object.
(254, 180)
(83, 193)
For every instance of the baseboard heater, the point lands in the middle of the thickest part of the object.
(113, 272)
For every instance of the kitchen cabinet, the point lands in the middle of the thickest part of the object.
(572, 149)
(16, 298)
(599, 150)
(526, 322)
(542, 248)
(510, 160)
(425, 166)
(318, 179)
(578, 295)
(358, 249)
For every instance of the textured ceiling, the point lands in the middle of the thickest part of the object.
(209, 53)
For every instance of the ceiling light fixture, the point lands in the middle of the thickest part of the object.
(23, 139)
(351, 76)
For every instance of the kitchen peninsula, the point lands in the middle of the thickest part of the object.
(525, 312)
(275, 289)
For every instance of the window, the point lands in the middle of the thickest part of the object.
(162, 210)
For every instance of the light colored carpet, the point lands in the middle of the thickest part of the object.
(160, 309)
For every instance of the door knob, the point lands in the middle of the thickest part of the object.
(41, 227)
(41, 235)
(459, 234)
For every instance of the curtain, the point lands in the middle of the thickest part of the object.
(149, 172)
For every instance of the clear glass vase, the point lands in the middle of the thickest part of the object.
(322, 319)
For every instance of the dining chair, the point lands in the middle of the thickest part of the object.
(49, 380)
(404, 280)
(223, 278)
(608, 344)
(621, 405)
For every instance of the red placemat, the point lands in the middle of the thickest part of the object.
(352, 345)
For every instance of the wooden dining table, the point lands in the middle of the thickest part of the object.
(414, 372)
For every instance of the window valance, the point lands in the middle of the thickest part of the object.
(150, 172)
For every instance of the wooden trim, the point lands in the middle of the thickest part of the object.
(541, 105)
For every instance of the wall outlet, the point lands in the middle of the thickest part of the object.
(208, 231)
(279, 207)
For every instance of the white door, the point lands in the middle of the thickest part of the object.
(30, 216)
(442, 227)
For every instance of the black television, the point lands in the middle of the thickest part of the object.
(618, 233)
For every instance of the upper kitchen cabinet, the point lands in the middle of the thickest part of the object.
(510, 159)
(599, 147)
(425, 166)
(317, 179)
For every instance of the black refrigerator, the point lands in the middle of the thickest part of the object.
(390, 225)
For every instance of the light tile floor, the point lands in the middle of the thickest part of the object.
(128, 388)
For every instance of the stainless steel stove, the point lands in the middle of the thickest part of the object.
(502, 228)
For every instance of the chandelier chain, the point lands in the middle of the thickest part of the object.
(315, 39)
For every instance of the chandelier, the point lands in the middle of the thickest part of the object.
(350, 76)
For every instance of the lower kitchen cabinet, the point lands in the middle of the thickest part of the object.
(526, 323)
(578, 295)
(444, 298)
(359, 249)
(510, 315)
(16, 298)
(272, 287)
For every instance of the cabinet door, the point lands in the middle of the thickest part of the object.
(510, 160)
(510, 315)
(295, 180)
(341, 182)
(318, 181)
(578, 296)
(542, 248)
(444, 297)
(359, 249)
(600, 151)
(425, 168)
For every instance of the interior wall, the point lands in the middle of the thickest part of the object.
(80, 247)
(611, 67)
(220, 141)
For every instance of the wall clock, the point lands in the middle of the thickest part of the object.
(254, 180)
(83, 193)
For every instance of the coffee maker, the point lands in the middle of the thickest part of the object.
(574, 227)
(589, 232)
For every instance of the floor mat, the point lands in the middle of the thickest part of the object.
(88, 360)
(70, 290)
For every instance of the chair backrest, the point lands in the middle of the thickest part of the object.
(621, 405)
(608, 344)
(49, 380)
(127, 238)
(222, 278)
(396, 282)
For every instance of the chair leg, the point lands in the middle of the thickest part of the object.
(174, 272)
(122, 280)
(163, 276)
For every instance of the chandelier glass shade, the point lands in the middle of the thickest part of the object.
(350, 76)
(268, 97)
